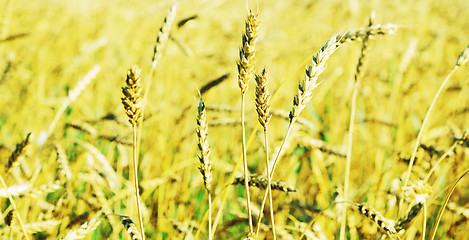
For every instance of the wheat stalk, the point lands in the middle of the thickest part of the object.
(460, 61)
(245, 71)
(356, 85)
(133, 107)
(445, 202)
(14, 207)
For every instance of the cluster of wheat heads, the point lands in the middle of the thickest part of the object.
(391, 228)
(61, 199)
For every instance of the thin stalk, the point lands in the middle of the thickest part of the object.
(269, 190)
(419, 136)
(429, 174)
(137, 195)
(246, 174)
(445, 202)
(275, 165)
(14, 208)
(209, 215)
(353, 110)
(424, 222)
(349, 155)
(226, 190)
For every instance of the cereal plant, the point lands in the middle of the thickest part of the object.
(124, 120)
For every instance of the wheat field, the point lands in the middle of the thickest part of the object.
(360, 109)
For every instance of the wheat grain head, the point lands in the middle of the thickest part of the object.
(263, 99)
(132, 99)
(204, 147)
(248, 51)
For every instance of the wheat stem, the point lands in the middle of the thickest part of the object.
(269, 191)
(245, 71)
(422, 128)
(445, 202)
(353, 109)
(14, 208)
(245, 165)
(137, 191)
(461, 60)
(210, 234)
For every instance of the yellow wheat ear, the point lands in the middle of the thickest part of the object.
(132, 91)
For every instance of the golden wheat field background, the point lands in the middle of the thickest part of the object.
(66, 144)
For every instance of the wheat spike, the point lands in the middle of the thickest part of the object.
(163, 35)
(247, 52)
(318, 65)
(85, 228)
(376, 217)
(365, 32)
(131, 228)
(132, 99)
(404, 221)
(263, 99)
(63, 170)
(261, 182)
(204, 147)
(18, 151)
(8, 218)
(463, 57)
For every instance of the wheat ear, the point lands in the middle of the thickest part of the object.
(18, 151)
(261, 182)
(375, 216)
(206, 165)
(63, 170)
(131, 229)
(306, 87)
(85, 228)
(460, 61)
(245, 71)
(404, 221)
(163, 35)
(366, 32)
(133, 106)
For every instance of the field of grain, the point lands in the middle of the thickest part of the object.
(367, 122)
